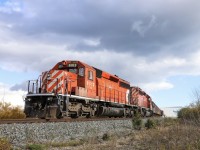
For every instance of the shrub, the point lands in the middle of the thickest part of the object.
(4, 144)
(105, 137)
(137, 121)
(150, 124)
(10, 112)
(185, 113)
(189, 113)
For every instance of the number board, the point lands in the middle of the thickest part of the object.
(72, 65)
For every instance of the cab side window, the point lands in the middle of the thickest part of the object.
(90, 75)
(81, 72)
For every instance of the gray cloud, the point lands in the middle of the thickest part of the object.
(131, 26)
(21, 86)
(145, 42)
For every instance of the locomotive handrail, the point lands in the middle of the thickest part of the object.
(33, 85)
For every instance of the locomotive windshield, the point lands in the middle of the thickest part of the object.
(72, 67)
(73, 70)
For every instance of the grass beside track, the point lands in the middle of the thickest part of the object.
(166, 134)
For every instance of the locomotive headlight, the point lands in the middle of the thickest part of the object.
(60, 66)
(49, 98)
(48, 76)
(28, 99)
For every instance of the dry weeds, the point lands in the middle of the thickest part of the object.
(7, 111)
(170, 134)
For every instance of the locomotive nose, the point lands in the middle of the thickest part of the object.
(52, 81)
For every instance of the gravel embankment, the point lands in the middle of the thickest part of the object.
(21, 134)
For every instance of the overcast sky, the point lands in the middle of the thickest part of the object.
(153, 44)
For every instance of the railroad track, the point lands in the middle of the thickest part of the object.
(36, 120)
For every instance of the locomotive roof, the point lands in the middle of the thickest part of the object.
(115, 76)
(91, 67)
(74, 61)
(138, 88)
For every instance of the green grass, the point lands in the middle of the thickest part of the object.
(36, 147)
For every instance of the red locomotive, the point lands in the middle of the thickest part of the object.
(144, 102)
(73, 89)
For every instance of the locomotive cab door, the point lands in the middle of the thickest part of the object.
(90, 80)
(81, 76)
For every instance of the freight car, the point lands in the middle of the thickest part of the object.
(74, 89)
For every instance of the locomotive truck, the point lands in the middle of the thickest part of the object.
(74, 89)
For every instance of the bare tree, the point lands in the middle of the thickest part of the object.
(196, 97)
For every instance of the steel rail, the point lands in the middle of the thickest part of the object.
(36, 120)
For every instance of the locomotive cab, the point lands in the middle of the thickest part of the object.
(83, 75)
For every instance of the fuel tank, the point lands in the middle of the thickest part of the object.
(111, 112)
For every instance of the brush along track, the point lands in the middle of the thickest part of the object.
(36, 120)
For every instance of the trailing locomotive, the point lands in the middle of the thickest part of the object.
(73, 89)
